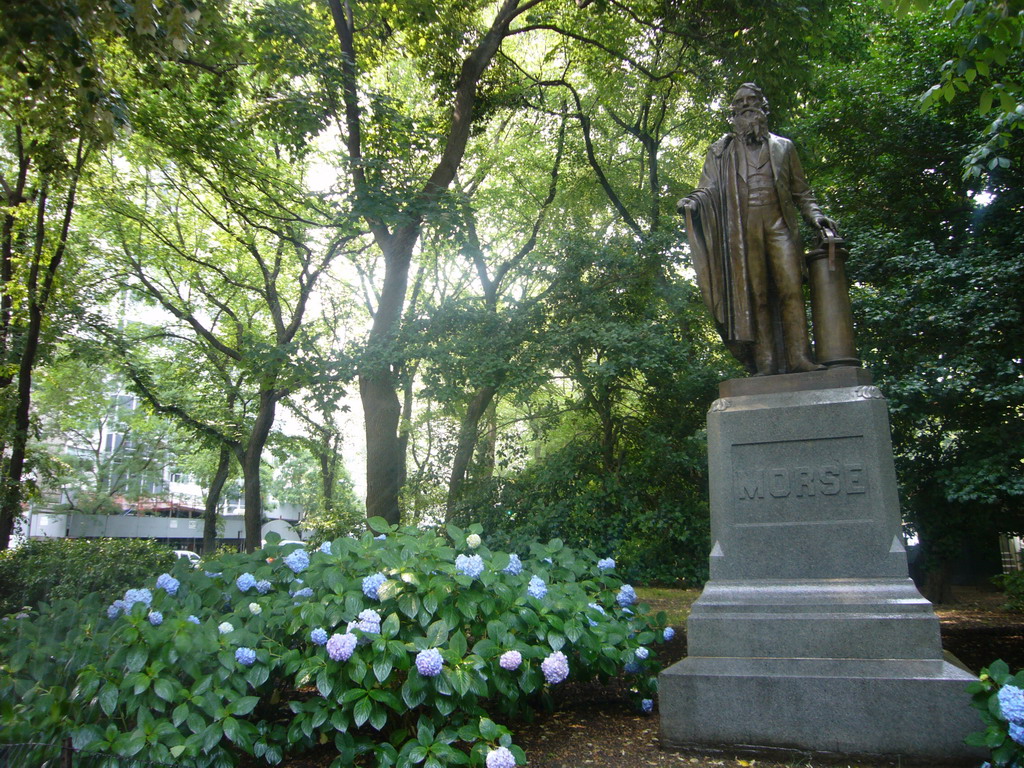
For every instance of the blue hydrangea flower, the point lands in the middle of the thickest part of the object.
(642, 653)
(192, 619)
(1011, 703)
(168, 583)
(469, 565)
(116, 608)
(245, 582)
(537, 588)
(647, 706)
(371, 585)
(369, 621)
(245, 656)
(515, 565)
(382, 537)
(156, 618)
(1017, 733)
(318, 636)
(263, 586)
(429, 662)
(501, 757)
(133, 596)
(304, 592)
(549, 561)
(224, 627)
(341, 647)
(510, 660)
(326, 548)
(555, 667)
(626, 596)
(211, 574)
(668, 634)
(298, 560)
(632, 667)
(605, 564)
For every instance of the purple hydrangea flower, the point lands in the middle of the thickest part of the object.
(1011, 703)
(429, 662)
(133, 596)
(668, 634)
(626, 596)
(469, 565)
(605, 564)
(537, 588)
(168, 583)
(371, 585)
(647, 706)
(318, 636)
(510, 660)
(245, 582)
(341, 647)
(156, 618)
(515, 565)
(501, 757)
(642, 653)
(326, 548)
(369, 621)
(298, 560)
(1017, 733)
(192, 619)
(245, 656)
(555, 667)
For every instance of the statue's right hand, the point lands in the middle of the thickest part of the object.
(686, 204)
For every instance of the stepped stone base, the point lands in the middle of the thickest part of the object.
(809, 637)
(915, 709)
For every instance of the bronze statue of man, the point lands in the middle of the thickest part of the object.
(745, 239)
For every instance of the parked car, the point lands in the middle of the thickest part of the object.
(187, 554)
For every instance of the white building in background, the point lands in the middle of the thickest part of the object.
(168, 508)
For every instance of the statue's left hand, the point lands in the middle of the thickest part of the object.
(824, 222)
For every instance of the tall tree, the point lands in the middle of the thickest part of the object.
(62, 70)
(230, 260)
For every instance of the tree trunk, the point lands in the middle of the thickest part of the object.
(468, 433)
(220, 477)
(251, 461)
(384, 457)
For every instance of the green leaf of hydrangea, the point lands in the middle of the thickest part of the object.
(378, 524)
(382, 667)
(437, 634)
(362, 711)
(108, 699)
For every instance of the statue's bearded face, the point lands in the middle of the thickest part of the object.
(749, 118)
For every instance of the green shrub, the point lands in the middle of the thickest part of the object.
(999, 698)
(61, 569)
(252, 660)
(1013, 584)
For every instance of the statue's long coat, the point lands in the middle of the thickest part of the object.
(717, 235)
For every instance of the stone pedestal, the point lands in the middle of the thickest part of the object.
(809, 636)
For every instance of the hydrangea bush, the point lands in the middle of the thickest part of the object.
(401, 651)
(999, 698)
